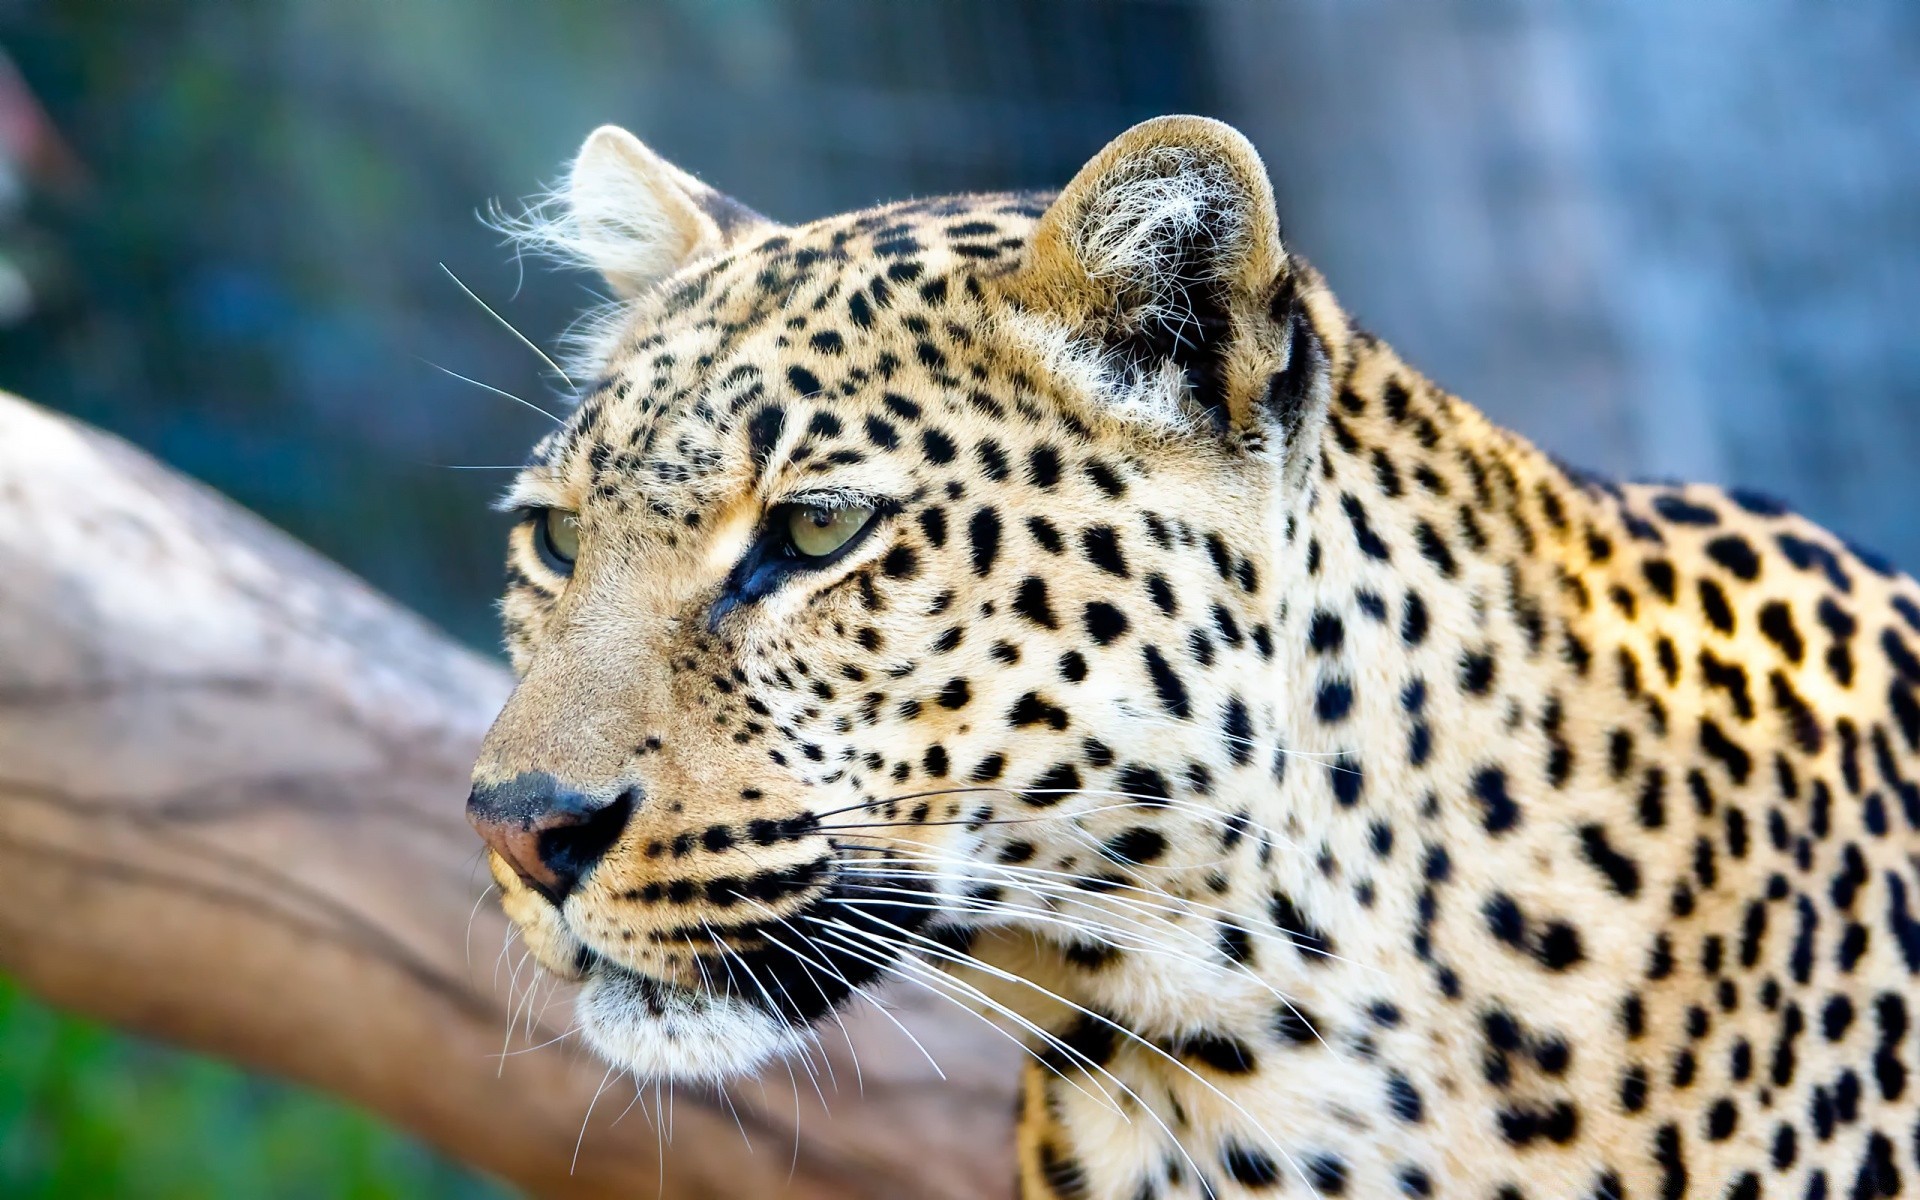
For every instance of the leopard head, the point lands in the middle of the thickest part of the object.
(869, 568)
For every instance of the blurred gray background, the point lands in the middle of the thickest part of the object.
(1661, 238)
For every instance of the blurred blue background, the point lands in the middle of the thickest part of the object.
(1660, 239)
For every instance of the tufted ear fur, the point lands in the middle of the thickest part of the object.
(633, 216)
(1165, 253)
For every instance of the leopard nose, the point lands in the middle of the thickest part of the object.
(550, 834)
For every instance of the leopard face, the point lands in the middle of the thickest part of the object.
(866, 549)
(1059, 604)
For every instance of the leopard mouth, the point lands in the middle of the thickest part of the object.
(761, 990)
(659, 1030)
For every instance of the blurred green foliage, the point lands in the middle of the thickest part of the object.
(89, 1114)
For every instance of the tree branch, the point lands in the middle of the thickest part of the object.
(230, 816)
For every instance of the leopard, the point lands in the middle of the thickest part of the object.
(1058, 602)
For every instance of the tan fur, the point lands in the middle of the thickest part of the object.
(1423, 819)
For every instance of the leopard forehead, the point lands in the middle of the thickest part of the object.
(873, 355)
(830, 323)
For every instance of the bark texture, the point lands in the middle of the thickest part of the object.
(231, 780)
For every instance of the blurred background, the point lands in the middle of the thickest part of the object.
(1660, 239)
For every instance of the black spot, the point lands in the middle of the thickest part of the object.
(1052, 786)
(1045, 534)
(1434, 548)
(1621, 872)
(1347, 778)
(1559, 947)
(1801, 720)
(763, 431)
(1032, 709)
(1167, 684)
(1325, 632)
(937, 446)
(1104, 622)
(1225, 1054)
(984, 534)
(1758, 503)
(1808, 556)
(1717, 745)
(1334, 701)
(1476, 673)
(1249, 1167)
(1722, 1119)
(1404, 1098)
(993, 460)
(1672, 1162)
(1363, 534)
(1505, 921)
(1136, 845)
(1043, 466)
(1073, 666)
(1102, 546)
(989, 768)
(804, 381)
(1878, 1176)
(1288, 918)
(1327, 1174)
(1413, 622)
(1659, 575)
(1713, 599)
(1633, 1089)
(1785, 1146)
(1238, 727)
(1161, 593)
(1385, 474)
(1090, 956)
(1105, 479)
(1030, 601)
(1901, 922)
(1490, 788)
(1682, 511)
(900, 563)
(1291, 1023)
(1736, 554)
(1236, 945)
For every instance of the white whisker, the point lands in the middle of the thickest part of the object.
(925, 1053)
(508, 325)
(586, 1120)
(1177, 905)
(496, 391)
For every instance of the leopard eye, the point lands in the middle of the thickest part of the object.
(556, 534)
(816, 532)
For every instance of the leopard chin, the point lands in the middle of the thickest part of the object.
(659, 1030)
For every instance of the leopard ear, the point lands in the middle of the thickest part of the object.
(635, 217)
(1165, 252)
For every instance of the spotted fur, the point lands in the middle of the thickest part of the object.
(1339, 796)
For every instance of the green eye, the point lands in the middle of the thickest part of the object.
(556, 534)
(816, 532)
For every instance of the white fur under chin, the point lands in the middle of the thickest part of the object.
(683, 1036)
